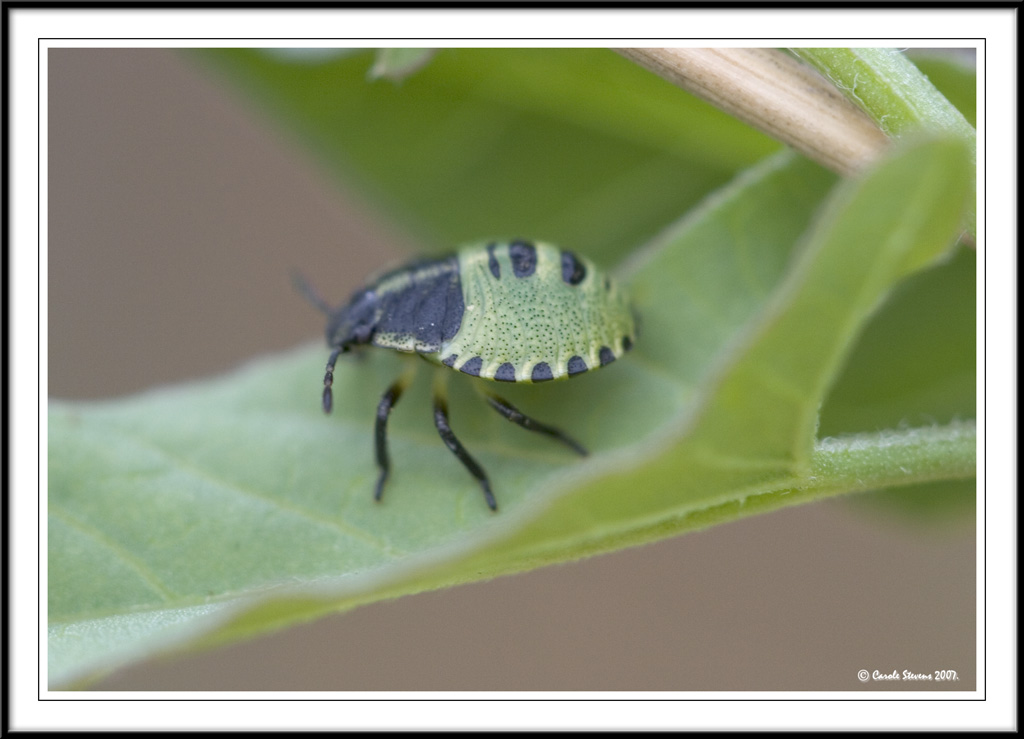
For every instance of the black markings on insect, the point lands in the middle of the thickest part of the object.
(514, 311)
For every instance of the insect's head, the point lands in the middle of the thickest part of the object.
(353, 324)
(347, 326)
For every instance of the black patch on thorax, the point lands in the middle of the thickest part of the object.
(429, 307)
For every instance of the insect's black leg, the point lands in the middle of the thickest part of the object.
(387, 402)
(328, 399)
(441, 421)
(513, 414)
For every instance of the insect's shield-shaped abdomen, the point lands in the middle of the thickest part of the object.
(354, 323)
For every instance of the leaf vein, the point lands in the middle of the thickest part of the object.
(144, 571)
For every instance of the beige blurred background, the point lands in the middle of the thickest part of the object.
(175, 217)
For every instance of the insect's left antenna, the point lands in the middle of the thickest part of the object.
(303, 286)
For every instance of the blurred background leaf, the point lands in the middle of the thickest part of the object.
(575, 146)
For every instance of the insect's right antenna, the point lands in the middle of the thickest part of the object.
(302, 285)
(328, 398)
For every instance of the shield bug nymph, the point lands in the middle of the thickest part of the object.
(516, 311)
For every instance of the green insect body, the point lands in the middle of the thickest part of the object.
(514, 311)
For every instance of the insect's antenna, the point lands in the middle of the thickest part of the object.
(328, 400)
(302, 285)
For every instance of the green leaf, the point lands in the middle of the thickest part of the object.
(915, 363)
(203, 513)
(574, 146)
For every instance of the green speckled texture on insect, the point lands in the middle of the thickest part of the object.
(525, 321)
